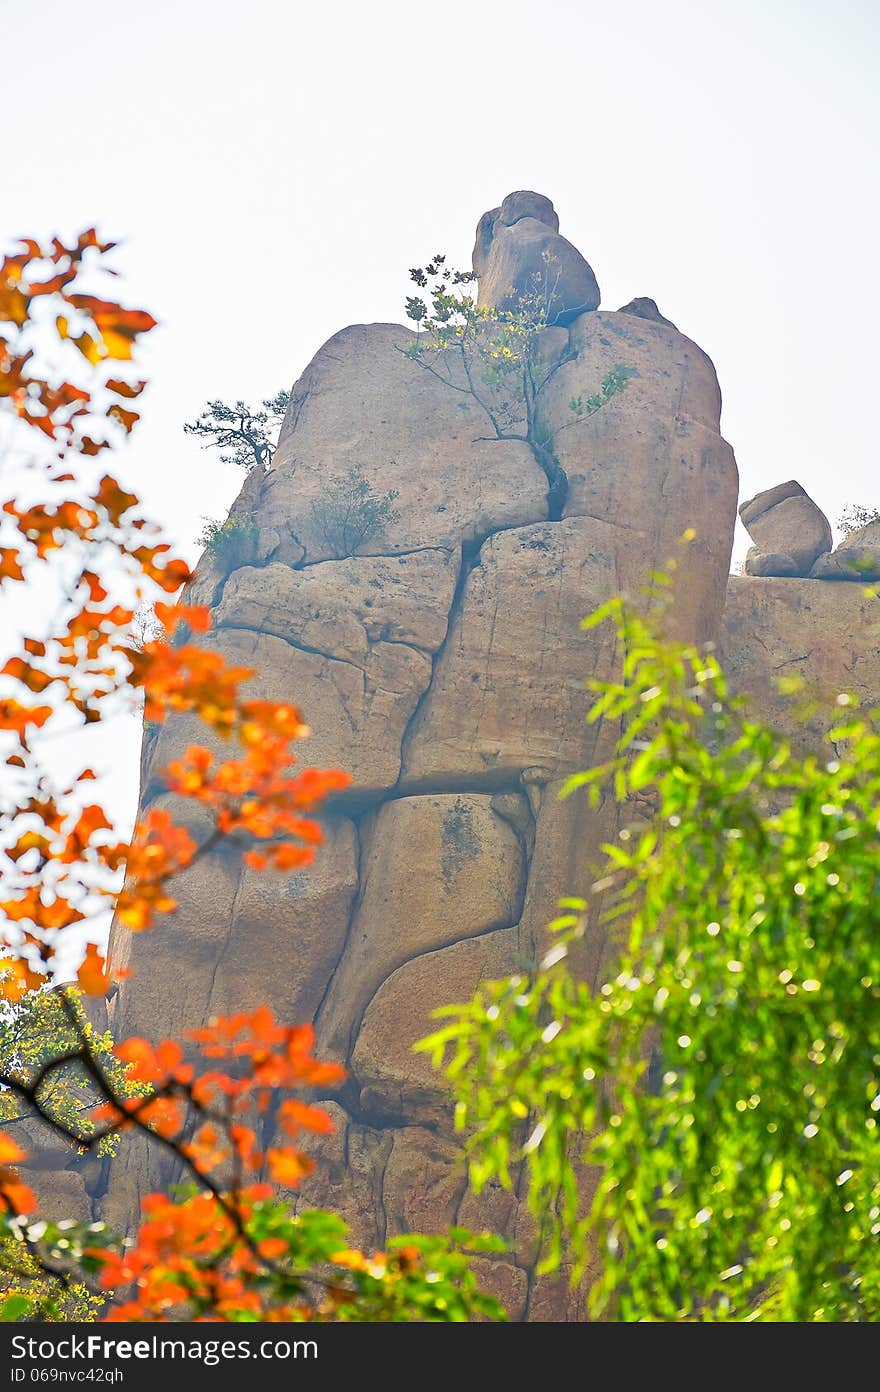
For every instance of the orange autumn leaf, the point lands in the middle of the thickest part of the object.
(28, 841)
(196, 616)
(126, 389)
(91, 349)
(52, 285)
(295, 1115)
(288, 1166)
(272, 1247)
(10, 1152)
(15, 1196)
(10, 569)
(123, 417)
(15, 716)
(169, 1055)
(141, 1058)
(207, 1148)
(92, 976)
(89, 446)
(91, 820)
(13, 303)
(244, 1140)
(118, 327)
(289, 857)
(28, 675)
(164, 1115)
(128, 1313)
(114, 498)
(109, 1112)
(18, 979)
(350, 1259)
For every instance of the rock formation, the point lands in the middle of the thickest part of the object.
(519, 252)
(644, 308)
(793, 538)
(444, 666)
(778, 621)
(789, 531)
(856, 558)
(828, 634)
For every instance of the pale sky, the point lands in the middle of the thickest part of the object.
(274, 168)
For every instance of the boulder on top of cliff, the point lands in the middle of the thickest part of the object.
(525, 203)
(644, 308)
(856, 558)
(518, 250)
(784, 521)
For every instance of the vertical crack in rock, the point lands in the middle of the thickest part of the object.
(233, 912)
(470, 552)
(380, 1196)
(294, 411)
(557, 479)
(355, 904)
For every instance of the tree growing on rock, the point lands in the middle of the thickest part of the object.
(244, 435)
(225, 1246)
(350, 514)
(499, 359)
(230, 542)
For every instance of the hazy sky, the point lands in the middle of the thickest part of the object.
(274, 168)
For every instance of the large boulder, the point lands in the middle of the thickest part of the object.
(341, 609)
(758, 562)
(519, 254)
(652, 462)
(784, 523)
(393, 1080)
(856, 558)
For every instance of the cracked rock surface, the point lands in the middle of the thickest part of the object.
(825, 632)
(444, 667)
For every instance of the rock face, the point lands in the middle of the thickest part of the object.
(519, 251)
(444, 665)
(828, 634)
(856, 558)
(361, 405)
(789, 531)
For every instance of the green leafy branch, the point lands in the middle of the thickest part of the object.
(704, 1125)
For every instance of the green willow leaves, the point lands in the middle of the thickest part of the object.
(704, 1127)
